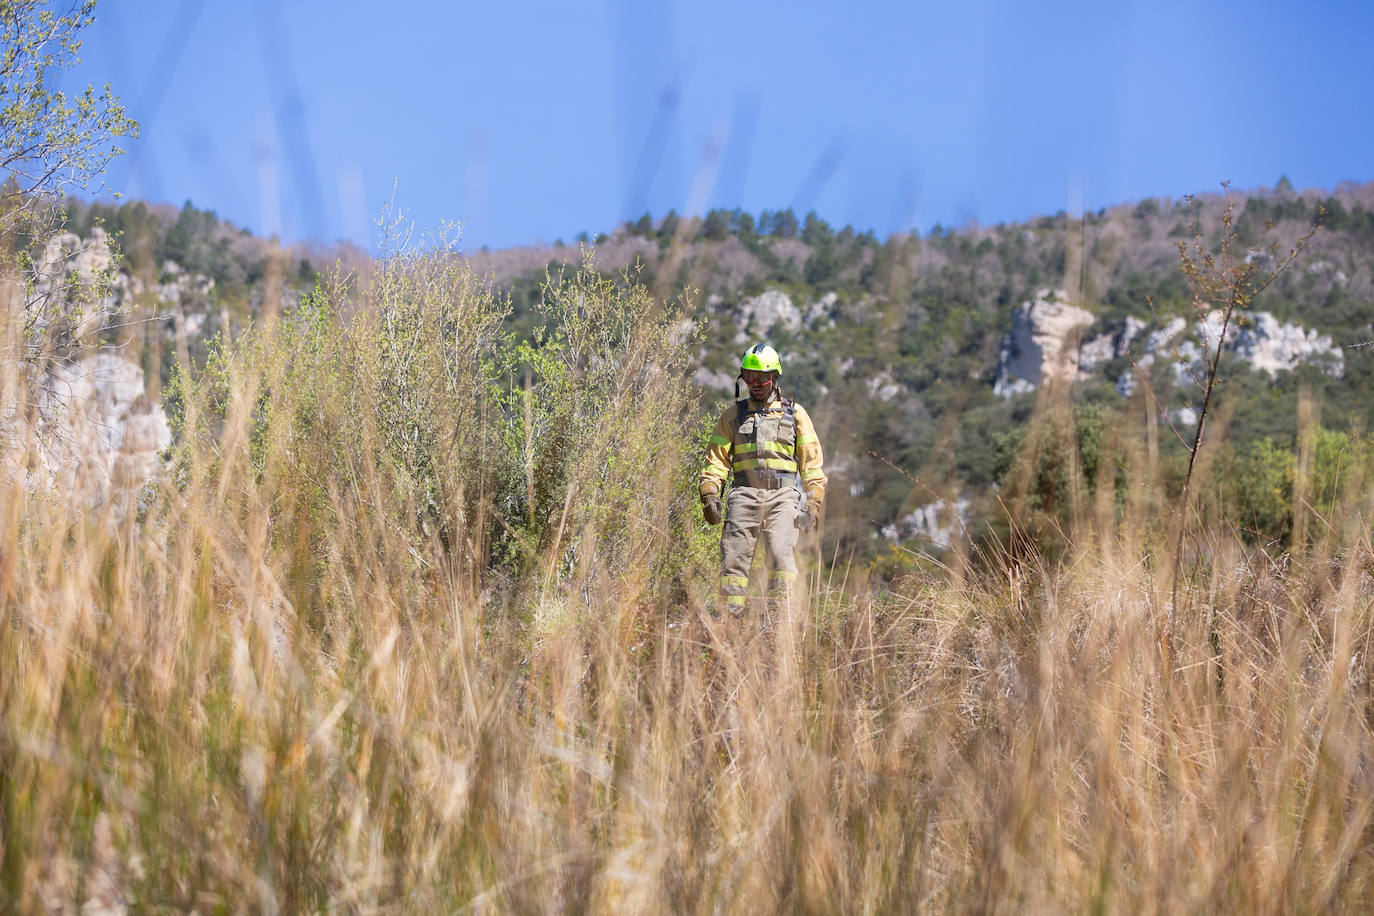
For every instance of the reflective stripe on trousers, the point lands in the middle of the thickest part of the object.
(749, 513)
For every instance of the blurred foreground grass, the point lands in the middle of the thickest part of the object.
(423, 621)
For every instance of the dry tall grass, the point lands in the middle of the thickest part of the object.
(424, 623)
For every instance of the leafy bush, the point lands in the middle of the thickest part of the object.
(1048, 470)
(1267, 485)
(505, 455)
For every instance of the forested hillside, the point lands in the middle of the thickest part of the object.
(901, 347)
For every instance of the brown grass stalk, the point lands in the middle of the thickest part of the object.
(322, 673)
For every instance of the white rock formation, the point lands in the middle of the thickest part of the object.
(180, 288)
(1159, 340)
(821, 308)
(1261, 340)
(682, 331)
(713, 380)
(883, 387)
(67, 253)
(70, 264)
(758, 316)
(1158, 344)
(1272, 347)
(1095, 352)
(1042, 344)
(1129, 333)
(99, 436)
(939, 522)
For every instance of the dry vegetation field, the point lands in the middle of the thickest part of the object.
(423, 621)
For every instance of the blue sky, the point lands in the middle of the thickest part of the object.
(530, 122)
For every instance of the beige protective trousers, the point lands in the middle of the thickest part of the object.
(749, 512)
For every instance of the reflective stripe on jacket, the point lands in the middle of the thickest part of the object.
(765, 436)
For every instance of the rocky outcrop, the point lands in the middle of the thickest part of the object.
(74, 283)
(67, 252)
(99, 434)
(713, 380)
(177, 287)
(940, 522)
(1046, 342)
(822, 310)
(759, 315)
(98, 430)
(1272, 347)
(1160, 343)
(1258, 338)
(758, 318)
(1043, 344)
(883, 387)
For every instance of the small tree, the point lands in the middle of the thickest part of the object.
(785, 224)
(1223, 280)
(816, 231)
(50, 143)
(745, 227)
(668, 228)
(716, 226)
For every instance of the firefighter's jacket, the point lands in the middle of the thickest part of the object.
(776, 438)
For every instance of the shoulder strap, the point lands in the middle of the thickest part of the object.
(741, 408)
(789, 410)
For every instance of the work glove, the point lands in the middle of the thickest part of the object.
(710, 508)
(806, 519)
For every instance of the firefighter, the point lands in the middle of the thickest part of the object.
(766, 447)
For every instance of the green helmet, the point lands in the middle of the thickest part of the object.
(761, 358)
